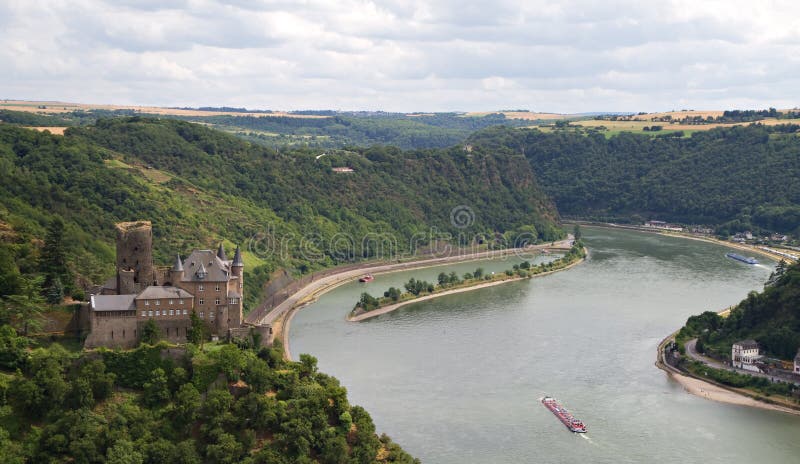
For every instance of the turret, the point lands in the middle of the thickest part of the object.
(221, 253)
(176, 273)
(237, 266)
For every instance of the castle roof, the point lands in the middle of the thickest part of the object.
(178, 266)
(216, 269)
(237, 258)
(156, 292)
(221, 253)
(113, 302)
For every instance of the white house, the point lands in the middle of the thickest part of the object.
(797, 362)
(744, 355)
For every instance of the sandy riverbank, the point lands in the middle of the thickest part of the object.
(392, 307)
(723, 395)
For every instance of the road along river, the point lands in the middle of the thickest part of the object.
(457, 379)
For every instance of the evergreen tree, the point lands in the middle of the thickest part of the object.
(150, 332)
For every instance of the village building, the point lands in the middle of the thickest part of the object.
(206, 282)
(745, 354)
(797, 362)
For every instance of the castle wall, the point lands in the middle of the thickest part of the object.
(171, 330)
(112, 332)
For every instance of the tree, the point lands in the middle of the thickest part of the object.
(478, 273)
(124, 452)
(442, 279)
(53, 262)
(156, 390)
(24, 310)
(393, 293)
(55, 291)
(187, 404)
(13, 348)
(150, 332)
(576, 231)
(197, 333)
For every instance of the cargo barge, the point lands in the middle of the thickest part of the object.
(741, 258)
(573, 424)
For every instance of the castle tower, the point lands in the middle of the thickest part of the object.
(176, 273)
(237, 266)
(221, 253)
(236, 312)
(134, 256)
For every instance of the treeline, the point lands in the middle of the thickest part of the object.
(157, 404)
(771, 317)
(336, 130)
(415, 288)
(739, 178)
(286, 208)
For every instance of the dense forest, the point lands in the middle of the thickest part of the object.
(287, 208)
(771, 317)
(157, 404)
(738, 178)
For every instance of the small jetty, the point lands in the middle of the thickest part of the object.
(573, 424)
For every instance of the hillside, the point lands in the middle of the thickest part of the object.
(288, 208)
(158, 404)
(742, 178)
(771, 317)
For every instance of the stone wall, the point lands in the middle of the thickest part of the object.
(113, 332)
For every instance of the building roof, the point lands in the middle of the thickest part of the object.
(154, 291)
(113, 302)
(237, 258)
(178, 266)
(221, 253)
(216, 269)
(747, 344)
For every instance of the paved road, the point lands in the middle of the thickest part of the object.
(328, 282)
(691, 351)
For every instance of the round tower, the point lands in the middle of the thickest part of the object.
(134, 256)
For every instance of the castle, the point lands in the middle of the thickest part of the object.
(206, 282)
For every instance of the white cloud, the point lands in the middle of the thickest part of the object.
(405, 55)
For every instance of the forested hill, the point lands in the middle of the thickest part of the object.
(200, 186)
(741, 177)
(771, 317)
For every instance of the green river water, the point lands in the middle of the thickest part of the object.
(457, 379)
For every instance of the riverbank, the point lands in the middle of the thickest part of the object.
(392, 307)
(714, 391)
(281, 316)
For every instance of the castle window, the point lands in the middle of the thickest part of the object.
(180, 301)
(147, 302)
(233, 301)
(216, 302)
(211, 314)
(158, 313)
(201, 301)
(241, 284)
(144, 313)
(123, 333)
(216, 287)
(185, 312)
(158, 302)
(200, 288)
(171, 312)
(202, 314)
(150, 313)
(171, 302)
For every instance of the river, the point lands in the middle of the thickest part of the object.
(457, 379)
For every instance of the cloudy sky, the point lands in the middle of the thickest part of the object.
(397, 55)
